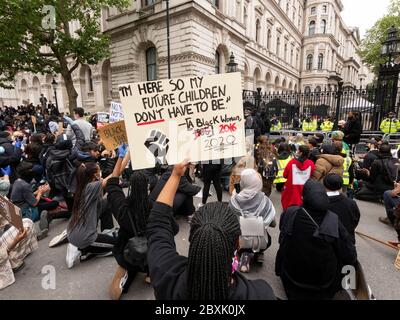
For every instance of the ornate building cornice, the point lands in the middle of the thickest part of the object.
(126, 67)
(188, 56)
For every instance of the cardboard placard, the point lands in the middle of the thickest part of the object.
(199, 119)
(113, 135)
(116, 113)
(34, 120)
(60, 128)
(11, 213)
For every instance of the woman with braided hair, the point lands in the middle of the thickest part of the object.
(209, 273)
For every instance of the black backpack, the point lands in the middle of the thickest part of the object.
(59, 172)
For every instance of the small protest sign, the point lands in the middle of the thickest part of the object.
(113, 135)
(34, 120)
(11, 213)
(199, 118)
(116, 113)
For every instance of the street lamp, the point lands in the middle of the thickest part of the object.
(391, 47)
(232, 65)
(168, 40)
(54, 84)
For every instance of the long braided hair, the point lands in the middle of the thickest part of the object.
(138, 200)
(213, 238)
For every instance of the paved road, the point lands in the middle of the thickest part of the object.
(90, 280)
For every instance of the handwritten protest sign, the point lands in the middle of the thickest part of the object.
(116, 113)
(113, 135)
(11, 213)
(199, 118)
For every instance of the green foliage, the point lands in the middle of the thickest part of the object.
(371, 45)
(29, 44)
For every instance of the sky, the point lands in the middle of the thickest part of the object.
(363, 13)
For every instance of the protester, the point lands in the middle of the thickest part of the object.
(208, 273)
(314, 246)
(297, 172)
(346, 209)
(314, 149)
(352, 129)
(5, 184)
(329, 161)
(391, 199)
(15, 245)
(85, 126)
(234, 179)
(89, 207)
(372, 155)
(212, 173)
(252, 202)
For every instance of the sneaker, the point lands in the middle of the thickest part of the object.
(58, 240)
(244, 264)
(118, 283)
(89, 255)
(73, 255)
(147, 280)
(44, 220)
(385, 220)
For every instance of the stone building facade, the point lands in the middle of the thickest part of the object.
(279, 45)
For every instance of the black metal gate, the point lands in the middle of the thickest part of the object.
(371, 103)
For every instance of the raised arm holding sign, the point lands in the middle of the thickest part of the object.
(199, 118)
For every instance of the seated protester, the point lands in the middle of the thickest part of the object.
(183, 203)
(391, 199)
(372, 155)
(280, 163)
(339, 136)
(32, 152)
(89, 152)
(246, 162)
(48, 145)
(59, 164)
(9, 158)
(252, 202)
(346, 209)
(133, 209)
(208, 273)
(297, 172)
(53, 125)
(37, 138)
(314, 246)
(329, 161)
(5, 181)
(314, 149)
(15, 245)
(381, 177)
(89, 207)
(106, 161)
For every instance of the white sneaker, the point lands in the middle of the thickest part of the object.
(60, 239)
(73, 254)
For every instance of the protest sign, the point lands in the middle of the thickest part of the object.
(113, 135)
(199, 119)
(116, 113)
(11, 213)
(34, 120)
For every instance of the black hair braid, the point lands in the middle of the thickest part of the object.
(213, 237)
(138, 200)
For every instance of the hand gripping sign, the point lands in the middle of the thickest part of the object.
(199, 118)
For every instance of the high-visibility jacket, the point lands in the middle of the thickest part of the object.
(346, 171)
(310, 126)
(276, 127)
(327, 126)
(390, 125)
(281, 168)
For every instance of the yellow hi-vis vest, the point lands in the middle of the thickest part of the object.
(276, 127)
(346, 171)
(281, 167)
(310, 126)
(327, 126)
(390, 126)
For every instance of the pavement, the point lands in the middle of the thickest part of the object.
(90, 280)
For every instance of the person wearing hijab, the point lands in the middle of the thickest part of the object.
(252, 202)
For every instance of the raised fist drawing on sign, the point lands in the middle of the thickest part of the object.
(157, 144)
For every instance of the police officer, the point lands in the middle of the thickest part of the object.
(276, 125)
(309, 124)
(390, 124)
(327, 125)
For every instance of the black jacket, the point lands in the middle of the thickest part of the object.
(6, 143)
(168, 270)
(310, 260)
(352, 131)
(347, 211)
(369, 159)
(382, 174)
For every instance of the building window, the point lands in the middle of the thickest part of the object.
(323, 26)
(307, 90)
(285, 53)
(278, 46)
(214, 2)
(318, 89)
(258, 30)
(294, 14)
(309, 63)
(325, 9)
(291, 57)
(320, 61)
(238, 13)
(313, 10)
(269, 38)
(217, 62)
(311, 28)
(287, 7)
(245, 17)
(146, 3)
(151, 64)
(90, 80)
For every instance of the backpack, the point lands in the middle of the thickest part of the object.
(59, 174)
